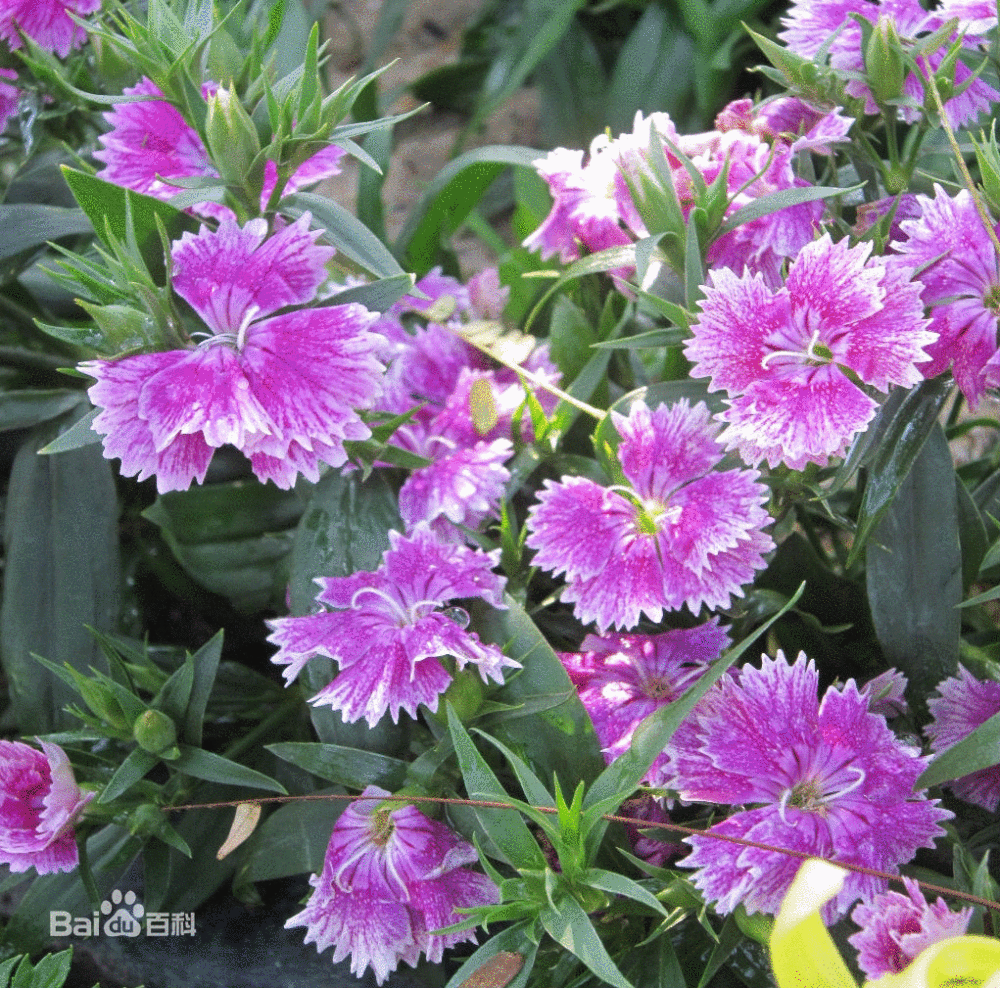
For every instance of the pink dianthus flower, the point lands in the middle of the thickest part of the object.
(391, 627)
(962, 704)
(39, 803)
(896, 928)
(958, 269)
(783, 355)
(46, 22)
(284, 390)
(825, 778)
(622, 679)
(150, 143)
(390, 877)
(680, 533)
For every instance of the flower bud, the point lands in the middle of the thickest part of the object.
(156, 733)
(233, 141)
(884, 62)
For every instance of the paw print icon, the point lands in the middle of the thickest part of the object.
(124, 915)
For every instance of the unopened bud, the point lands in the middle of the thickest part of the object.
(155, 732)
(884, 62)
(233, 141)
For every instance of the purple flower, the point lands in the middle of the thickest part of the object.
(39, 803)
(150, 143)
(46, 22)
(810, 24)
(828, 779)
(389, 630)
(390, 877)
(649, 809)
(896, 928)
(958, 270)
(788, 357)
(622, 679)
(284, 390)
(462, 486)
(964, 703)
(887, 694)
(682, 532)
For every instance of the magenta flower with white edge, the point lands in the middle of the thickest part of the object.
(150, 143)
(390, 877)
(958, 270)
(826, 778)
(284, 390)
(464, 485)
(47, 22)
(895, 928)
(622, 679)
(391, 627)
(787, 356)
(962, 704)
(39, 804)
(680, 533)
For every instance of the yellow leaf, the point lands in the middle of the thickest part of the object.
(244, 821)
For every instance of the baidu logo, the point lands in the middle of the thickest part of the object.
(121, 915)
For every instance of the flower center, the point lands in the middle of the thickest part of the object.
(992, 298)
(814, 793)
(382, 826)
(815, 353)
(403, 616)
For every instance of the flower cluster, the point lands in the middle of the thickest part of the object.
(391, 628)
(39, 804)
(680, 533)
(282, 388)
(465, 407)
(47, 22)
(390, 878)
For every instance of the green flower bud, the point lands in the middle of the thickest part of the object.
(884, 62)
(155, 732)
(233, 141)
(103, 703)
(465, 694)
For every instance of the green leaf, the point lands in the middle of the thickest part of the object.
(976, 751)
(446, 202)
(352, 768)
(27, 408)
(78, 435)
(61, 574)
(914, 572)
(378, 295)
(206, 664)
(570, 927)
(506, 828)
(610, 881)
(345, 232)
(772, 202)
(560, 739)
(214, 768)
(108, 206)
(135, 767)
(234, 538)
(898, 436)
(29, 225)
